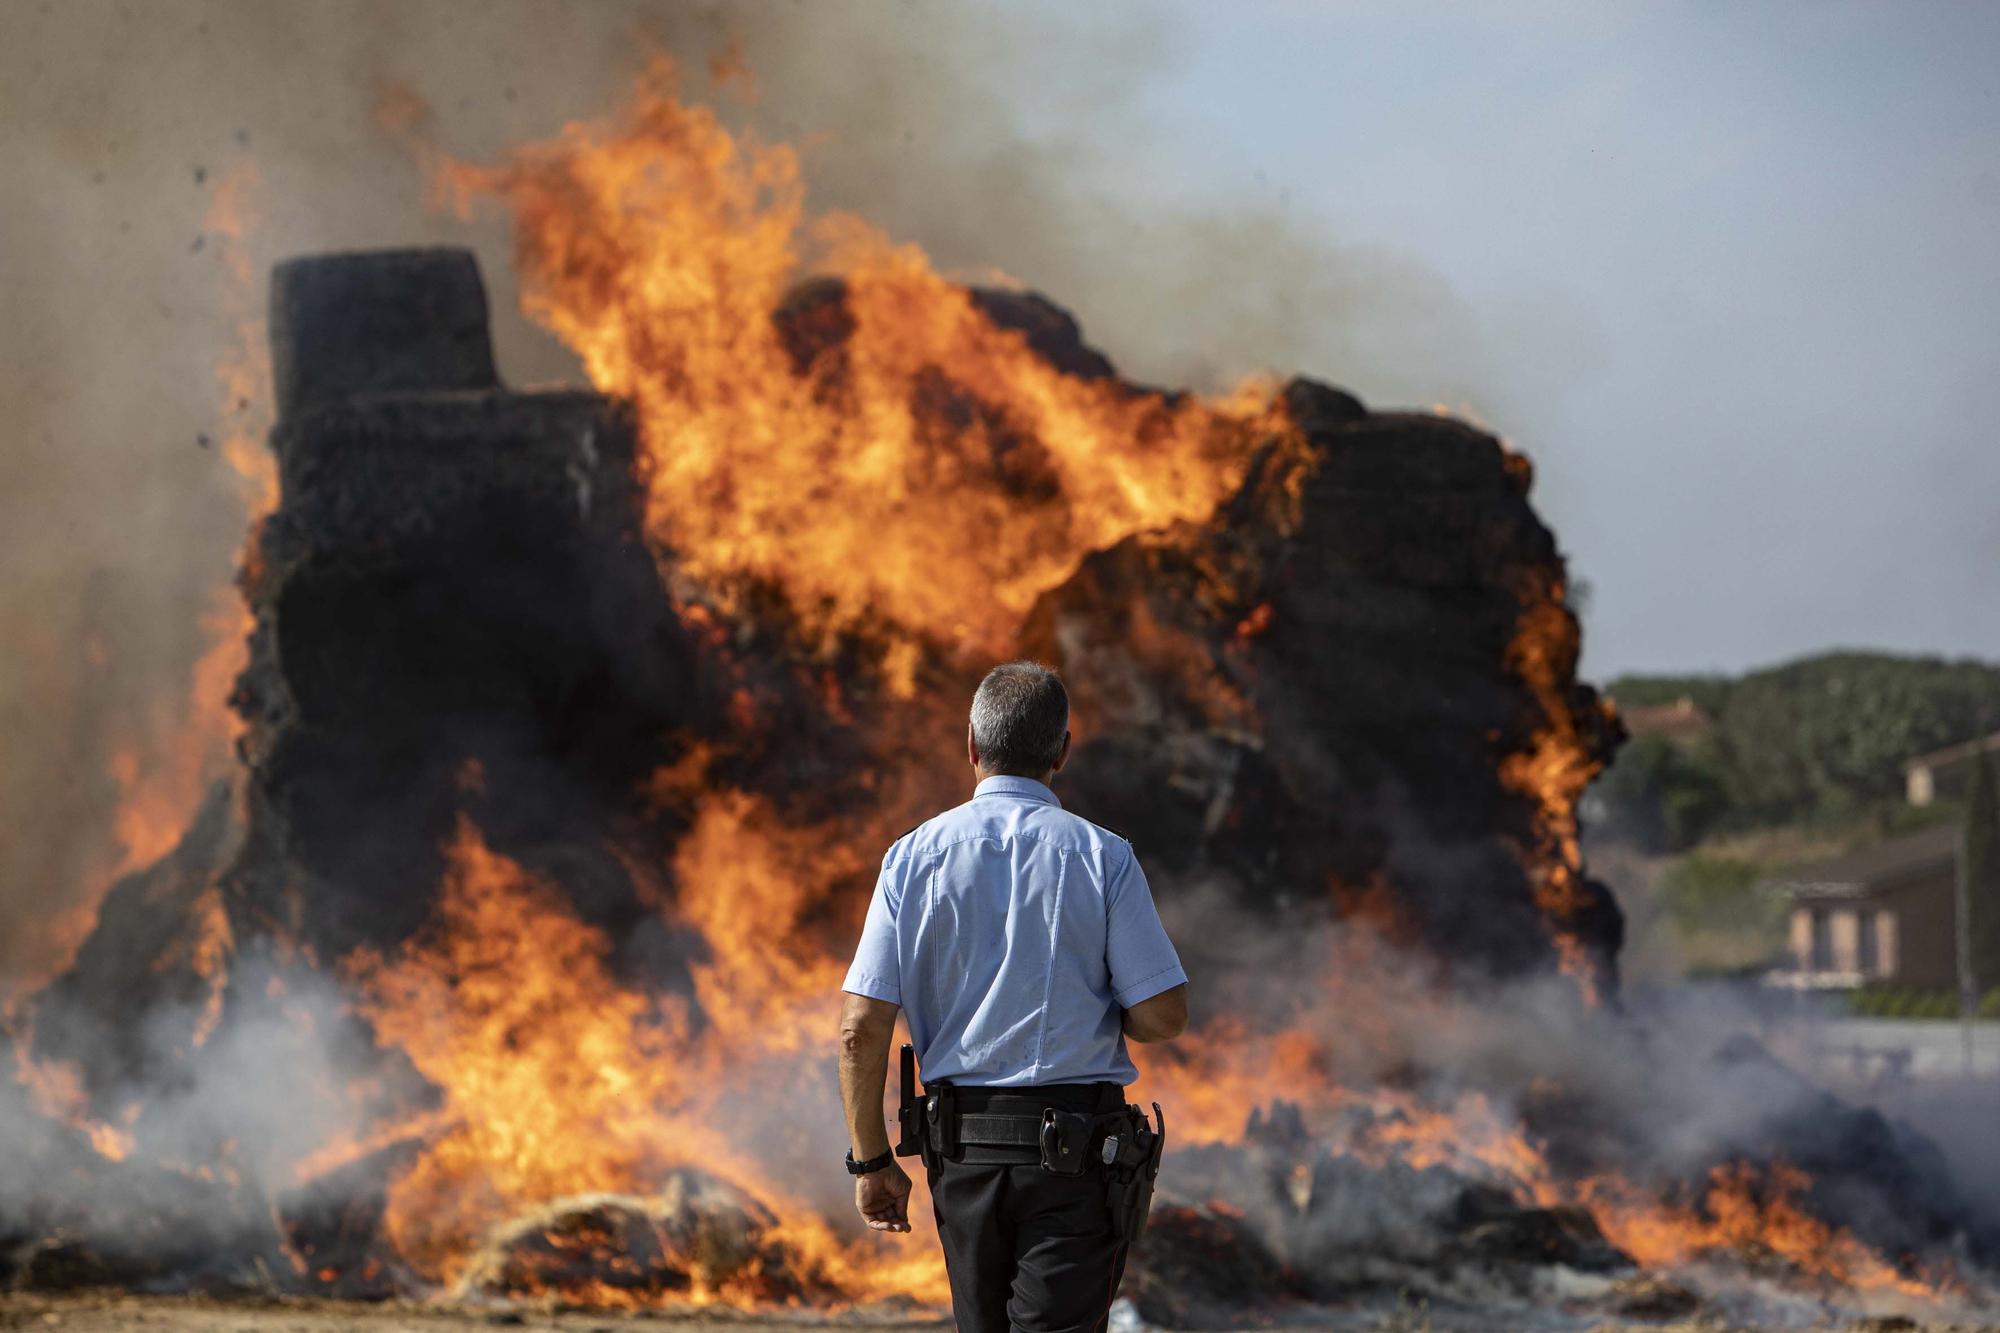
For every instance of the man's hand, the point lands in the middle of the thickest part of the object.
(883, 1198)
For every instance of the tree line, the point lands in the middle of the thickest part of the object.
(1820, 744)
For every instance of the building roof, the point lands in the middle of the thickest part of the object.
(1682, 717)
(1863, 873)
(1952, 754)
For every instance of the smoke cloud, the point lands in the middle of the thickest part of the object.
(277, 1082)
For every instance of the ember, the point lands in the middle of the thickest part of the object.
(574, 722)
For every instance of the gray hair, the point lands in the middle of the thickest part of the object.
(1020, 715)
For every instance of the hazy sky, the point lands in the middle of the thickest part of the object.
(1733, 272)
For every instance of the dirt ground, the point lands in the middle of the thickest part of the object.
(160, 1314)
(150, 1314)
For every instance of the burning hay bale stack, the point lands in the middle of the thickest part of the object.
(1316, 694)
(575, 725)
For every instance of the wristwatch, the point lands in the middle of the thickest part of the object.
(855, 1168)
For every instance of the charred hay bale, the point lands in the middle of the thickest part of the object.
(1052, 332)
(1643, 1296)
(574, 1247)
(372, 322)
(697, 1233)
(452, 580)
(1396, 453)
(1358, 1216)
(813, 322)
(1340, 1223)
(1317, 408)
(1540, 1236)
(367, 480)
(1202, 1266)
(1429, 539)
(334, 1224)
(63, 1262)
(127, 1224)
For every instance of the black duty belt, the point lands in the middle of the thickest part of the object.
(1063, 1140)
(1000, 1131)
(1063, 1127)
(1090, 1126)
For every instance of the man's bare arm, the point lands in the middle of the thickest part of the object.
(1162, 1018)
(867, 1026)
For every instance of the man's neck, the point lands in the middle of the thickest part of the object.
(1046, 779)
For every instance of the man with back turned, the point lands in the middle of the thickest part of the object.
(1023, 946)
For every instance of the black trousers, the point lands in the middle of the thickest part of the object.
(1027, 1251)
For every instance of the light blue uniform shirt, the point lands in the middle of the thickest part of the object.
(1013, 933)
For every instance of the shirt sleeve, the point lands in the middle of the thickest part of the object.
(876, 973)
(1141, 957)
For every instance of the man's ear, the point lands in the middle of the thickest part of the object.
(971, 747)
(1062, 755)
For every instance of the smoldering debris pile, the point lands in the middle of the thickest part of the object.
(498, 740)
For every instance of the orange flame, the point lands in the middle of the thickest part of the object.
(508, 1005)
(559, 1081)
(747, 883)
(1553, 771)
(927, 470)
(1746, 1212)
(56, 1088)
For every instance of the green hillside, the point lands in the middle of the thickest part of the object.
(1818, 742)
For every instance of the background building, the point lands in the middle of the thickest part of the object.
(1944, 774)
(1883, 915)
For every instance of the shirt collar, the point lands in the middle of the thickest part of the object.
(1026, 788)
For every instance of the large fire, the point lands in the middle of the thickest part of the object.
(866, 488)
(820, 456)
(558, 1081)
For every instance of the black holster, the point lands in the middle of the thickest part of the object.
(909, 1109)
(1132, 1166)
(1070, 1140)
(938, 1135)
(927, 1120)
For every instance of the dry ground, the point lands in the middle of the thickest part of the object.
(154, 1314)
(164, 1314)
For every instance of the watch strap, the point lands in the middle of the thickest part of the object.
(855, 1168)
